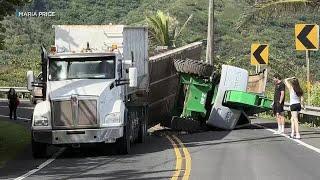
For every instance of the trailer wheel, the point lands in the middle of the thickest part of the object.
(143, 127)
(39, 150)
(142, 132)
(124, 143)
(190, 66)
(186, 124)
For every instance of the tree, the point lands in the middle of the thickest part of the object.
(160, 29)
(315, 94)
(7, 7)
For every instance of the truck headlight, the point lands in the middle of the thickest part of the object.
(113, 118)
(41, 121)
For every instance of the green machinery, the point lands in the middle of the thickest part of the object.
(248, 100)
(197, 90)
(199, 96)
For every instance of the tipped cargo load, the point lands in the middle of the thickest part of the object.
(217, 100)
(222, 116)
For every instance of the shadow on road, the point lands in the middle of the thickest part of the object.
(103, 162)
(99, 162)
(23, 163)
(218, 137)
(76, 162)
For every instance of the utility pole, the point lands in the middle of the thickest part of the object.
(209, 54)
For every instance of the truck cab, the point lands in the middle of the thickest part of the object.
(88, 93)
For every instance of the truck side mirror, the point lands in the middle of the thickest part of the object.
(133, 77)
(30, 79)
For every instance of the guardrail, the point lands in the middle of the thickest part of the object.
(309, 110)
(18, 89)
(22, 91)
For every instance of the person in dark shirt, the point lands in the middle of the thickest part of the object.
(278, 102)
(13, 103)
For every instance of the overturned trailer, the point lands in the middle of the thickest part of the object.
(186, 94)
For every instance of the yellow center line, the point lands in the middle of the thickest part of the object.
(178, 159)
(187, 159)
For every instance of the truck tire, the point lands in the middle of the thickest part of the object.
(39, 150)
(142, 132)
(124, 143)
(190, 66)
(143, 126)
(186, 124)
(33, 100)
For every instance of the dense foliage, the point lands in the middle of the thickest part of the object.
(232, 46)
(7, 7)
(315, 95)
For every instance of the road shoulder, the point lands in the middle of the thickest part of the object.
(14, 138)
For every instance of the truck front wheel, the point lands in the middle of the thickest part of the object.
(39, 150)
(124, 143)
(142, 131)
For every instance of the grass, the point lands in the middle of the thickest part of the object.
(13, 139)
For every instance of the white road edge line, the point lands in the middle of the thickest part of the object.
(295, 140)
(27, 119)
(41, 166)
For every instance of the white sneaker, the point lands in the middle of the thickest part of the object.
(291, 136)
(277, 132)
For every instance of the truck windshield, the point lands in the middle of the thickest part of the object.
(82, 68)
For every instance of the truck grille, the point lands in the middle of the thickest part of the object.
(62, 113)
(87, 112)
(82, 114)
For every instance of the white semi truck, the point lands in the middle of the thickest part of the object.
(91, 82)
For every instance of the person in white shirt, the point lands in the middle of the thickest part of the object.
(296, 102)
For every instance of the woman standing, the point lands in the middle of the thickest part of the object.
(13, 103)
(296, 100)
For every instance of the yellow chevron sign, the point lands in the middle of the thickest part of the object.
(259, 54)
(307, 37)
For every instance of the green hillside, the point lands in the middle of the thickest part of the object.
(25, 35)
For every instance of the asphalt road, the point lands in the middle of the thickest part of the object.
(248, 153)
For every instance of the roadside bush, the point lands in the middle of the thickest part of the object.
(315, 95)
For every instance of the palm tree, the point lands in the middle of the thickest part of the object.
(267, 7)
(160, 26)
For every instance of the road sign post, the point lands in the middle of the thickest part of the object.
(307, 39)
(308, 75)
